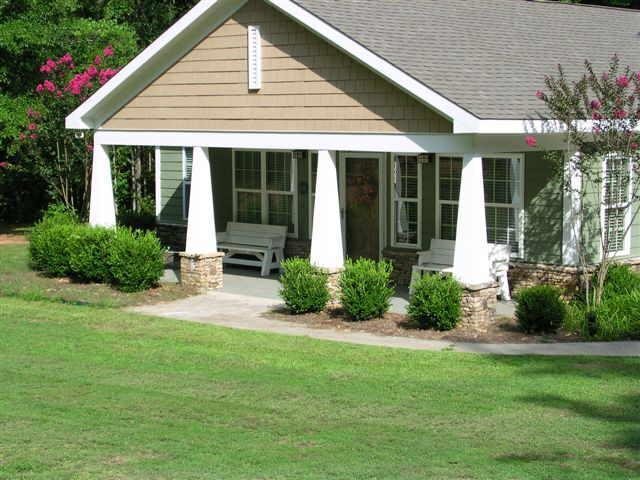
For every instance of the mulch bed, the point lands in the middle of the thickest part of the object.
(503, 330)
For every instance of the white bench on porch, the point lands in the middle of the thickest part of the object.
(440, 259)
(264, 242)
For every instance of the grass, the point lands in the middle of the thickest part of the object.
(99, 393)
(17, 280)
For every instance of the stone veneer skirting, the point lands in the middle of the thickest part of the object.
(478, 305)
(402, 261)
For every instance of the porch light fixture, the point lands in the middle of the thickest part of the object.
(424, 158)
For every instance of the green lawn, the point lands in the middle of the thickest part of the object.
(17, 280)
(91, 392)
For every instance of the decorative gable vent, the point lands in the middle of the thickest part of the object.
(255, 58)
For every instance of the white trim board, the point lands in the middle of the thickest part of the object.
(362, 142)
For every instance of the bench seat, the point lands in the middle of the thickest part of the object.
(263, 242)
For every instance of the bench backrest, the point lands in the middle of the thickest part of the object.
(443, 251)
(256, 234)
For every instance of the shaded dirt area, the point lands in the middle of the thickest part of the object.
(503, 330)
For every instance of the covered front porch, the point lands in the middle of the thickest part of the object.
(363, 193)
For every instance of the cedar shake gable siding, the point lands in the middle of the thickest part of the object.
(307, 85)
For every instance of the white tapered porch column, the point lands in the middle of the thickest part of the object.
(201, 263)
(326, 242)
(201, 226)
(102, 208)
(471, 258)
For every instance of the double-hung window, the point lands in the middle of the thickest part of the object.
(407, 186)
(503, 198)
(187, 164)
(264, 188)
(616, 198)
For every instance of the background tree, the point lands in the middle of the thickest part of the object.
(600, 115)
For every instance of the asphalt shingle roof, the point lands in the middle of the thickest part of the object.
(488, 56)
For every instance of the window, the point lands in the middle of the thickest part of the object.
(187, 164)
(616, 192)
(502, 193)
(407, 186)
(264, 188)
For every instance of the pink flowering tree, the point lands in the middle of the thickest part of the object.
(63, 157)
(600, 116)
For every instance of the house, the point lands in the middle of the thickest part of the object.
(367, 128)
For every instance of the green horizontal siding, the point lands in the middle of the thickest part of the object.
(171, 185)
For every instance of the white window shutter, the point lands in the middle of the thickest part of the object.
(255, 57)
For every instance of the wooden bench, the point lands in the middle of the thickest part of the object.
(264, 242)
(440, 259)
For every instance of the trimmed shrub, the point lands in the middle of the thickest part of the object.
(135, 260)
(540, 309)
(618, 317)
(620, 280)
(89, 253)
(49, 241)
(365, 288)
(304, 287)
(435, 302)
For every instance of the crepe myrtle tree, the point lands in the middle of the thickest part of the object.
(599, 115)
(63, 157)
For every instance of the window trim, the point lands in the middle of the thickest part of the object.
(519, 207)
(264, 193)
(185, 200)
(394, 200)
(626, 251)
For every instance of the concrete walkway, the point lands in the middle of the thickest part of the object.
(246, 312)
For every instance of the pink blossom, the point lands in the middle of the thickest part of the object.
(22, 137)
(597, 130)
(89, 147)
(59, 93)
(33, 136)
(595, 104)
(45, 69)
(106, 75)
(31, 113)
(634, 146)
(605, 76)
(540, 94)
(108, 51)
(66, 59)
(40, 88)
(92, 71)
(32, 127)
(531, 141)
(596, 116)
(4, 164)
(619, 114)
(622, 81)
(78, 83)
(97, 60)
(49, 86)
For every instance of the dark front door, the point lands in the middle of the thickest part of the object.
(362, 206)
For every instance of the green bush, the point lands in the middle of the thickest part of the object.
(49, 241)
(618, 317)
(620, 280)
(135, 260)
(304, 287)
(435, 302)
(365, 288)
(540, 309)
(89, 253)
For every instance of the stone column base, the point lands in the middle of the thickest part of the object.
(201, 271)
(333, 284)
(479, 305)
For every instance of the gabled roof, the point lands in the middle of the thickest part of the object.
(476, 62)
(488, 56)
